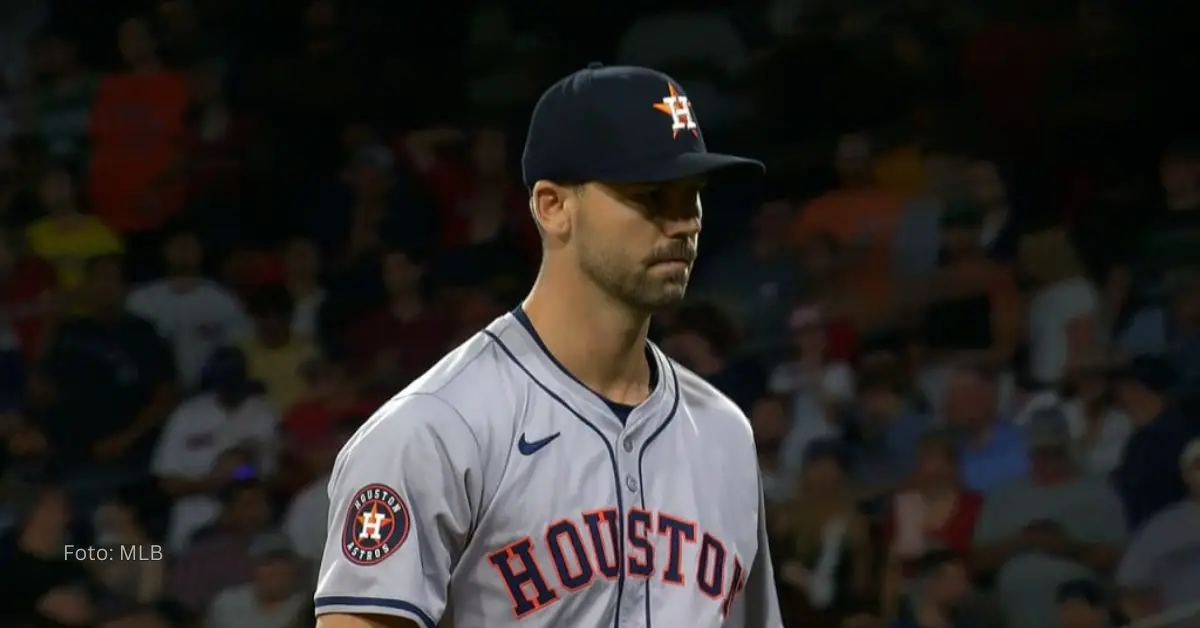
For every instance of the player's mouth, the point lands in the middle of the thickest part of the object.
(673, 263)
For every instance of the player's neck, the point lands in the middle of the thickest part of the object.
(600, 342)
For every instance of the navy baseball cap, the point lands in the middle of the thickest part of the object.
(621, 124)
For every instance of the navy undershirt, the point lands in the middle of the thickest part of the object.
(621, 410)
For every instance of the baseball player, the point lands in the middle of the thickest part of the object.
(557, 470)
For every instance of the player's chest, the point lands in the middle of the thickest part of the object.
(665, 512)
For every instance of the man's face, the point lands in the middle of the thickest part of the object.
(56, 190)
(970, 402)
(183, 252)
(951, 585)
(400, 274)
(769, 421)
(1080, 614)
(302, 259)
(106, 285)
(852, 158)
(638, 241)
(983, 183)
(249, 510)
(135, 41)
(275, 577)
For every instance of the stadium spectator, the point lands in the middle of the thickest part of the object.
(942, 584)
(307, 513)
(114, 368)
(66, 91)
(1082, 603)
(392, 343)
(818, 388)
(883, 437)
(991, 451)
(302, 274)
(1160, 570)
(1098, 428)
(703, 339)
(219, 555)
(1147, 476)
(824, 556)
(225, 433)
(66, 237)
(271, 599)
(125, 584)
(769, 420)
(935, 514)
(274, 355)
(1050, 526)
(756, 281)
(195, 315)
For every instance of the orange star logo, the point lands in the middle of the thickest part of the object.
(679, 108)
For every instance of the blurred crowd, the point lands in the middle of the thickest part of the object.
(963, 314)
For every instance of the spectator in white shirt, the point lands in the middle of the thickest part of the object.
(1065, 307)
(195, 315)
(302, 278)
(213, 438)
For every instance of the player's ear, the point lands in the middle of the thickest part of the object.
(548, 202)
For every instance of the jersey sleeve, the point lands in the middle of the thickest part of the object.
(758, 604)
(403, 497)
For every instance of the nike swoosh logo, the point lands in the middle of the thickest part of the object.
(528, 448)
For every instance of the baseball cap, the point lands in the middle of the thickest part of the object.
(622, 124)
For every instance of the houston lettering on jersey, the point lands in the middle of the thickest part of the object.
(585, 549)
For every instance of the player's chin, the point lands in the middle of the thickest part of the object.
(665, 293)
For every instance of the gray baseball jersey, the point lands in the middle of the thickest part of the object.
(498, 490)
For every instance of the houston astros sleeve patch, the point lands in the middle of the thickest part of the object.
(377, 524)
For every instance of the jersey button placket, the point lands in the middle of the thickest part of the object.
(628, 444)
(631, 483)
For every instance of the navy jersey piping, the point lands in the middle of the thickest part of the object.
(522, 319)
(381, 602)
(642, 455)
(612, 458)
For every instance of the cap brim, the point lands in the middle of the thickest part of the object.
(684, 166)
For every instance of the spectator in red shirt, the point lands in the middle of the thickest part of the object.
(27, 286)
(396, 341)
(478, 199)
(937, 513)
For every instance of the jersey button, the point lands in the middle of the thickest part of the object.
(628, 444)
(631, 483)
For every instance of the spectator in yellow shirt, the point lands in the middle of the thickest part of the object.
(275, 356)
(65, 236)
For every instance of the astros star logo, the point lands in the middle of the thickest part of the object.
(679, 108)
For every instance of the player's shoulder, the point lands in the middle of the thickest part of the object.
(703, 398)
